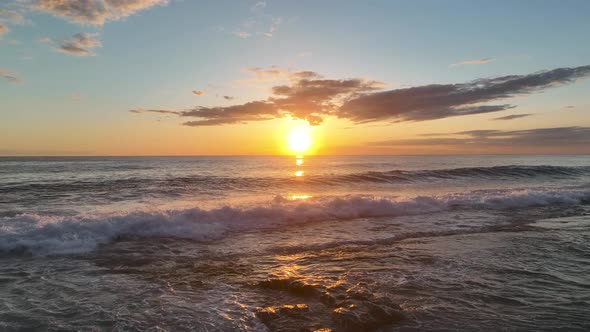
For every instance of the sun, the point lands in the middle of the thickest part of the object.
(299, 139)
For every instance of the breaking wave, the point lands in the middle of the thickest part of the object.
(38, 234)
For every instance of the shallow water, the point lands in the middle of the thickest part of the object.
(440, 243)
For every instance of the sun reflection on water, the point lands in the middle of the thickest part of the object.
(299, 163)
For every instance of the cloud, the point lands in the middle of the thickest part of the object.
(257, 24)
(309, 96)
(80, 44)
(540, 137)
(142, 111)
(92, 12)
(258, 6)
(198, 92)
(473, 62)
(9, 76)
(212, 116)
(11, 16)
(274, 25)
(242, 34)
(512, 117)
(437, 101)
(228, 97)
(3, 30)
(75, 96)
(276, 74)
(272, 74)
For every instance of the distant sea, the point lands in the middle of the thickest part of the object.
(344, 243)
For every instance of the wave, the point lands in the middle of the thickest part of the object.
(137, 187)
(42, 235)
(484, 173)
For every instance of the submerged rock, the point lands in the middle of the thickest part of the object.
(355, 315)
(289, 318)
(339, 307)
(293, 286)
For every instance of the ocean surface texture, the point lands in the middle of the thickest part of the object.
(397, 243)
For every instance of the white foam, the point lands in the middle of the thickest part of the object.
(62, 235)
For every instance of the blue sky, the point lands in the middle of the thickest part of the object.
(153, 55)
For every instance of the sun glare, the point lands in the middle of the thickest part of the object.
(299, 139)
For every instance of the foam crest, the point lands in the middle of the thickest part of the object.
(64, 235)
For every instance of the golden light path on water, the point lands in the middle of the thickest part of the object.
(299, 172)
(299, 141)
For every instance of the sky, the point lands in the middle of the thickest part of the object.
(190, 77)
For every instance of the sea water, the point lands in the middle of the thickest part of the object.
(341, 243)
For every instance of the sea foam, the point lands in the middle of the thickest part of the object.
(47, 235)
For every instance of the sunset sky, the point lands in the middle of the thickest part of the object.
(157, 77)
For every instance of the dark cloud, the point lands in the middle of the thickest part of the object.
(9, 76)
(93, 12)
(142, 111)
(439, 101)
(540, 137)
(313, 99)
(228, 97)
(80, 44)
(198, 92)
(512, 117)
(213, 116)
(307, 95)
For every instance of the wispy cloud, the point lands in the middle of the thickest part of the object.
(3, 30)
(276, 74)
(92, 12)
(513, 116)
(198, 92)
(473, 62)
(242, 34)
(274, 25)
(12, 17)
(539, 137)
(80, 44)
(259, 5)
(10, 76)
(75, 96)
(142, 111)
(259, 23)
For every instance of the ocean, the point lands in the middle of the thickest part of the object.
(285, 243)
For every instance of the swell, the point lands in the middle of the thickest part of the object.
(38, 234)
(133, 187)
(484, 173)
